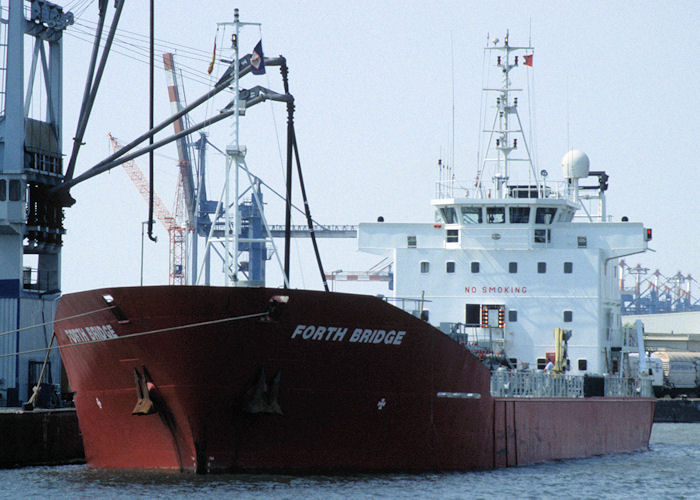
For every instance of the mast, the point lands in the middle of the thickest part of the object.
(506, 132)
(247, 236)
(234, 155)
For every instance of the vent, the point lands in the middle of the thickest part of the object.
(411, 241)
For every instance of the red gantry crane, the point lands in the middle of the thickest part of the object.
(175, 227)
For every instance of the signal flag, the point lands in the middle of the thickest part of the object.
(257, 60)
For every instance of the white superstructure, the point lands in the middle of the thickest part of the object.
(503, 269)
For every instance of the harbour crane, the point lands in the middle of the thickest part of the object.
(176, 226)
(658, 294)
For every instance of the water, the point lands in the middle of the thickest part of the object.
(668, 470)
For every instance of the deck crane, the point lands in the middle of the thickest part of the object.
(177, 235)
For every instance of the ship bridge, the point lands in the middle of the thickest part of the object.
(527, 220)
(466, 212)
(505, 264)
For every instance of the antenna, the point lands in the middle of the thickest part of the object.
(568, 137)
(452, 58)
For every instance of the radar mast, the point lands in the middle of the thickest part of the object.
(506, 143)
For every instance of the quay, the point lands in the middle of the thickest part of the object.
(39, 437)
(677, 410)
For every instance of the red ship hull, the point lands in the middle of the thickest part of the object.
(323, 382)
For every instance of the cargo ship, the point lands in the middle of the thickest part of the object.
(501, 344)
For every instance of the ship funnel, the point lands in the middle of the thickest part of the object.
(575, 164)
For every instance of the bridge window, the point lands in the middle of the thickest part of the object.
(545, 215)
(471, 215)
(568, 267)
(512, 267)
(475, 267)
(449, 215)
(519, 215)
(425, 267)
(495, 215)
(450, 267)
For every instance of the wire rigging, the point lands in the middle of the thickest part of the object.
(137, 53)
(204, 53)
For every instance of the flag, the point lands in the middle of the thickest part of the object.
(213, 59)
(257, 60)
(528, 60)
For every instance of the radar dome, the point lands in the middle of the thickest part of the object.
(575, 164)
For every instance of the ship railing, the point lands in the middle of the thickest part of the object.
(535, 384)
(616, 386)
(455, 188)
(540, 384)
(412, 305)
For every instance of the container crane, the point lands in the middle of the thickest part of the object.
(177, 231)
(660, 294)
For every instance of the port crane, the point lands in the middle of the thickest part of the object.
(175, 225)
(656, 294)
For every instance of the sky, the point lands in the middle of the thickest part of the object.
(373, 86)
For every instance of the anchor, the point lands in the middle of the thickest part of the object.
(144, 405)
(264, 397)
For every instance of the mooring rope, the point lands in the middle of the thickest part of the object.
(35, 389)
(17, 330)
(139, 334)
